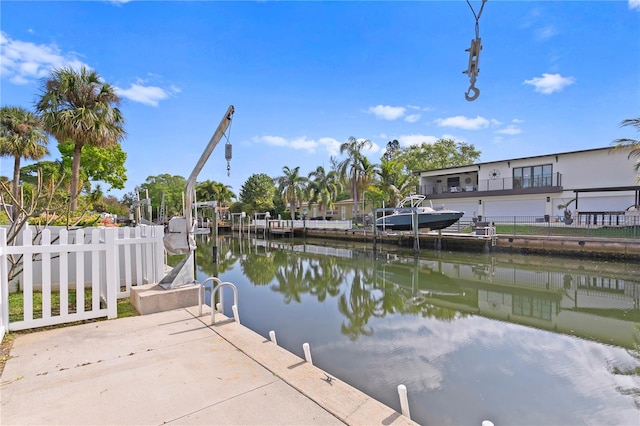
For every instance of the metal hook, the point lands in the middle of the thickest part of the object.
(476, 93)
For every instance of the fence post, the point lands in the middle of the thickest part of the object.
(111, 251)
(4, 285)
(27, 274)
(158, 250)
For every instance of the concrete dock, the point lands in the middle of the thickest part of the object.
(172, 368)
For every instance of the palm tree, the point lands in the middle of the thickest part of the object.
(223, 194)
(393, 181)
(78, 106)
(292, 187)
(351, 167)
(633, 145)
(215, 191)
(324, 188)
(368, 173)
(21, 136)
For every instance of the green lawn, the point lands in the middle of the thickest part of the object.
(16, 305)
(563, 231)
(567, 231)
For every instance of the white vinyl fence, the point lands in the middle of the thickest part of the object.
(102, 263)
(307, 223)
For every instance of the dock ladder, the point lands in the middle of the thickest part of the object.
(218, 308)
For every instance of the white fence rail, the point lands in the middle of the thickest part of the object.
(299, 223)
(101, 263)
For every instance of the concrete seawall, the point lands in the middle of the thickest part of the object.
(585, 247)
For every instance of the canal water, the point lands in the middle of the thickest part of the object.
(515, 339)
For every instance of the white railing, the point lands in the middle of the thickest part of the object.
(299, 223)
(102, 263)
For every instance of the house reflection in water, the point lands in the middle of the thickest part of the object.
(593, 304)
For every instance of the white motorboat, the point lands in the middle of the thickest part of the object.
(402, 217)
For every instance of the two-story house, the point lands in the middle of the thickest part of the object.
(598, 180)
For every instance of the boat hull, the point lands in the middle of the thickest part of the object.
(433, 221)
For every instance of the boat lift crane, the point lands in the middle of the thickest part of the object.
(179, 238)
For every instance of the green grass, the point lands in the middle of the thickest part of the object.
(16, 305)
(568, 231)
(560, 231)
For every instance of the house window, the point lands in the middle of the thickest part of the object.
(453, 183)
(533, 176)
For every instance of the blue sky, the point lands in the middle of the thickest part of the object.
(555, 76)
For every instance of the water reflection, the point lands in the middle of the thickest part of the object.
(569, 296)
(472, 336)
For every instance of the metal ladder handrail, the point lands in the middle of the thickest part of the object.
(220, 305)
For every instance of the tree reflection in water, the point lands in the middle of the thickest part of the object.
(357, 284)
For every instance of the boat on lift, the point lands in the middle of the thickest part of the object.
(401, 218)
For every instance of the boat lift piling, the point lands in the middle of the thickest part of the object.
(414, 225)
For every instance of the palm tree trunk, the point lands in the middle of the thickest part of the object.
(75, 176)
(16, 186)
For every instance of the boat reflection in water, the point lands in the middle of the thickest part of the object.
(513, 339)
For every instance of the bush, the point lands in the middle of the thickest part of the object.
(83, 221)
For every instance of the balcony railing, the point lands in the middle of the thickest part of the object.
(498, 184)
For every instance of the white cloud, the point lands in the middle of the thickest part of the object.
(466, 123)
(373, 149)
(148, 95)
(634, 5)
(550, 83)
(387, 112)
(517, 121)
(415, 139)
(302, 143)
(23, 62)
(509, 130)
(412, 118)
(331, 145)
(272, 140)
(545, 33)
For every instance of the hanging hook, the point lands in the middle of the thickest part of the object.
(474, 56)
(476, 93)
(473, 70)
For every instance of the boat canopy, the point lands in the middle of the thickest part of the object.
(412, 201)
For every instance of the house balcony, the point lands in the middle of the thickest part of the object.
(488, 187)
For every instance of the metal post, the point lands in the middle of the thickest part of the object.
(215, 235)
(414, 224)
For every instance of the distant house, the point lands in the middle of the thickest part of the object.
(598, 180)
(342, 210)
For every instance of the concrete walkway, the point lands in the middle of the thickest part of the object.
(172, 368)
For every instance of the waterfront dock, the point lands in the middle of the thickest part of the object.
(173, 368)
(588, 247)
